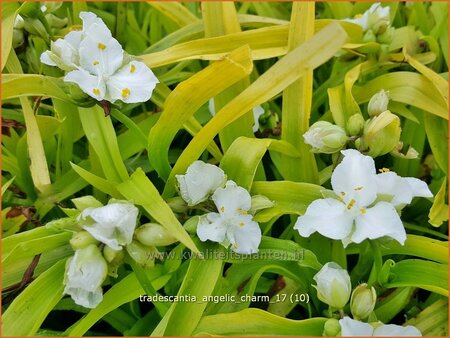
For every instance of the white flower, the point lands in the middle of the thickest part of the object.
(333, 285)
(351, 327)
(232, 224)
(200, 181)
(97, 64)
(257, 112)
(352, 217)
(373, 18)
(401, 189)
(112, 224)
(85, 273)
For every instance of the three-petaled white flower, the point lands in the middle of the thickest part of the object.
(112, 224)
(364, 207)
(373, 18)
(351, 327)
(232, 224)
(96, 62)
(257, 112)
(85, 273)
(200, 181)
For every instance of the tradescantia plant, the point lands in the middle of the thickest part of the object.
(224, 168)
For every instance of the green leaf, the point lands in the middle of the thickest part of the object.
(241, 160)
(9, 12)
(295, 64)
(437, 132)
(28, 311)
(141, 191)
(101, 135)
(100, 183)
(200, 280)
(187, 98)
(289, 197)
(255, 322)
(426, 275)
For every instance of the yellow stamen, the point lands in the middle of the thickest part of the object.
(95, 63)
(235, 246)
(132, 68)
(358, 188)
(222, 209)
(351, 204)
(96, 91)
(384, 170)
(125, 93)
(241, 224)
(101, 46)
(363, 211)
(342, 193)
(340, 199)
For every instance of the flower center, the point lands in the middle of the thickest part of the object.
(101, 46)
(132, 68)
(125, 93)
(96, 91)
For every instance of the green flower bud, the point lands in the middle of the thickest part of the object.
(363, 301)
(381, 134)
(113, 256)
(378, 103)
(82, 239)
(153, 234)
(411, 153)
(325, 137)
(85, 202)
(18, 38)
(387, 36)
(36, 27)
(143, 255)
(55, 22)
(369, 36)
(64, 224)
(19, 23)
(332, 328)
(177, 204)
(191, 224)
(355, 124)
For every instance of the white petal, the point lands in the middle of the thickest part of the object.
(244, 235)
(73, 38)
(328, 216)
(351, 328)
(200, 181)
(45, 59)
(90, 84)
(392, 330)
(333, 285)
(354, 178)
(389, 183)
(214, 231)
(257, 112)
(89, 19)
(100, 53)
(113, 224)
(419, 188)
(132, 83)
(232, 199)
(379, 221)
(85, 273)
(66, 52)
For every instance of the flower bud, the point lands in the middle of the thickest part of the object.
(55, 22)
(381, 134)
(36, 27)
(113, 256)
(378, 103)
(191, 224)
(177, 204)
(387, 36)
(332, 328)
(411, 153)
(363, 301)
(19, 23)
(143, 255)
(81, 240)
(65, 224)
(369, 36)
(355, 124)
(18, 38)
(333, 285)
(153, 234)
(85, 202)
(325, 137)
